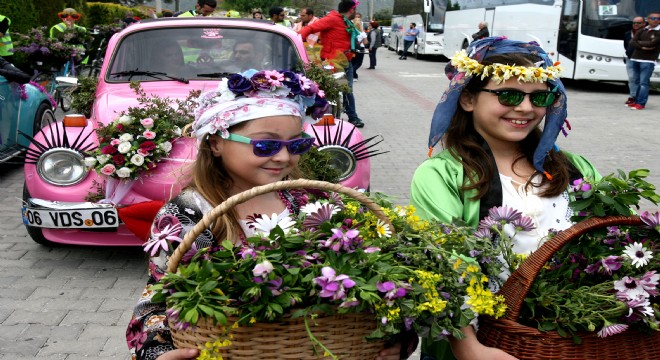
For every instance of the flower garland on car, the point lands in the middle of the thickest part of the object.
(605, 281)
(140, 137)
(337, 257)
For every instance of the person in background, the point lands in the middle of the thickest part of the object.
(637, 24)
(646, 43)
(256, 14)
(5, 40)
(167, 13)
(495, 154)
(69, 17)
(360, 50)
(409, 38)
(278, 16)
(307, 17)
(202, 8)
(339, 38)
(375, 42)
(483, 31)
(128, 19)
(246, 55)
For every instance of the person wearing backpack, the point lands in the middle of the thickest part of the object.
(375, 42)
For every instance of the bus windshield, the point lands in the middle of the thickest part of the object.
(610, 19)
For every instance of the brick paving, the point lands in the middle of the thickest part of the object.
(70, 303)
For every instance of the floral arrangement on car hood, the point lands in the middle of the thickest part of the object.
(141, 136)
(337, 257)
(605, 281)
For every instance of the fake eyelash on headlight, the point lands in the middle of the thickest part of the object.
(360, 150)
(59, 138)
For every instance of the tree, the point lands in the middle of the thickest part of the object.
(245, 6)
(383, 14)
(319, 6)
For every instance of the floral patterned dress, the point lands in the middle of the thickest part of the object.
(148, 335)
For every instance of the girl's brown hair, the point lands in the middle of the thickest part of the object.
(467, 145)
(212, 181)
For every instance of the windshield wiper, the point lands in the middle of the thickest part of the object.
(216, 74)
(155, 74)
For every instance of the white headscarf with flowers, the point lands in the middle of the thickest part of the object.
(220, 109)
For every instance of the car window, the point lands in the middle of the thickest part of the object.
(198, 54)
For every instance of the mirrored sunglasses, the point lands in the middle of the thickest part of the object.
(270, 147)
(654, 18)
(72, 16)
(515, 97)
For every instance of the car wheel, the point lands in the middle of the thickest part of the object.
(35, 233)
(64, 98)
(43, 117)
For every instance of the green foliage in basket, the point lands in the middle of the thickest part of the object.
(338, 257)
(607, 279)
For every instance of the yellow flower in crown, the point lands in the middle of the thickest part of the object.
(502, 72)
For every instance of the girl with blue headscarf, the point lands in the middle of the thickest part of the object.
(495, 153)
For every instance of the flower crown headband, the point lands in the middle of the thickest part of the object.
(256, 94)
(502, 72)
(467, 64)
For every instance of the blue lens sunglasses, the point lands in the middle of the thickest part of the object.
(270, 147)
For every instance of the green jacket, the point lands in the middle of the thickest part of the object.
(436, 194)
(5, 41)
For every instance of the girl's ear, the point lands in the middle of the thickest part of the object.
(467, 100)
(215, 144)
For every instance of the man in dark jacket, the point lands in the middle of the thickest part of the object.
(637, 23)
(647, 49)
(338, 36)
(483, 31)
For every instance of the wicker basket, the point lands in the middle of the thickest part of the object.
(344, 335)
(525, 342)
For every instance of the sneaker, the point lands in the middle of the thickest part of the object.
(356, 122)
(637, 107)
(630, 101)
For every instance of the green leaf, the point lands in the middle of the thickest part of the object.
(293, 270)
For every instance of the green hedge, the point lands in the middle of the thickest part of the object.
(27, 14)
(108, 13)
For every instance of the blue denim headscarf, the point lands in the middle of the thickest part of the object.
(480, 50)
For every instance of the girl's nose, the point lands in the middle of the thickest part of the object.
(525, 105)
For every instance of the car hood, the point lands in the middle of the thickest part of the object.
(112, 99)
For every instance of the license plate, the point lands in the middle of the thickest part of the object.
(71, 219)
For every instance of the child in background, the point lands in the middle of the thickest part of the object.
(250, 133)
(496, 154)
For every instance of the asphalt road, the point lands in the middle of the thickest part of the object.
(75, 302)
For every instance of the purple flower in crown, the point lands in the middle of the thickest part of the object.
(319, 108)
(274, 78)
(292, 81)
(312, 90)
(239, 84)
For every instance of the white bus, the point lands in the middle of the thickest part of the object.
(428, 16)
(586, 36)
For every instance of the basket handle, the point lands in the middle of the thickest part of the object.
(240, 198)
(517, 286)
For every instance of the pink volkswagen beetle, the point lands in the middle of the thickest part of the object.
(170, 57)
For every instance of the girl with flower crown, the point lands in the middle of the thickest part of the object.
(495, 154)
(249, 134)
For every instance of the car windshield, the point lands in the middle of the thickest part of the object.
(197, 53)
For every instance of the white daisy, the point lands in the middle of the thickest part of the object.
(639, 255)
(264, 224)
(383, 229)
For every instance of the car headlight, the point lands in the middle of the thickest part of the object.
(61, 166)
(342, 159)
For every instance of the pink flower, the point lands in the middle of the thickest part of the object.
(263, 269)
(115, 142)
(149, 135)
(612, 329)
(108, 170)
(333, 286)
(148, 123)
(143, 152)
(166, 228)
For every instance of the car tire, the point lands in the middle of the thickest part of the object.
(43, 117)
(35, 233)
(64, 98)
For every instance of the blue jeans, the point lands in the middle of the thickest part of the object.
(406, 45)
(642, 72)
(632, 88)
(349, 98)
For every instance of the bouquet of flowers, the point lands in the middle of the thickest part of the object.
(38, 50)
(136, 141)
(607, 279)
(336, 257)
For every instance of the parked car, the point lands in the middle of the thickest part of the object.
(58, 184)
(23, 107)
